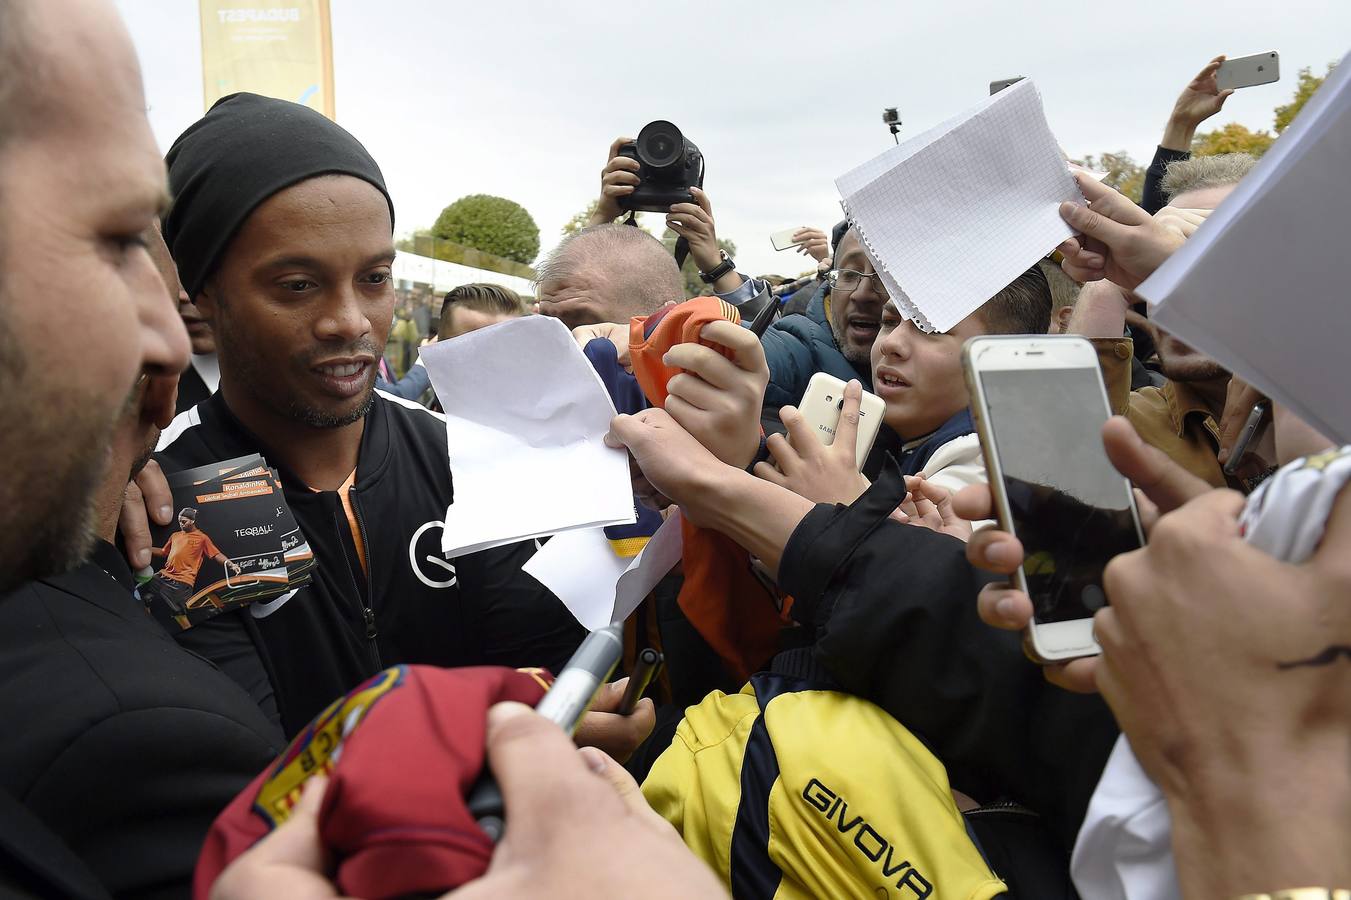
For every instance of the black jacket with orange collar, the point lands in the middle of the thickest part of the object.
(297, 653)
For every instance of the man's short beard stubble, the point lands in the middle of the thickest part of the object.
(255, 373)
(855, 356)
(53, 452)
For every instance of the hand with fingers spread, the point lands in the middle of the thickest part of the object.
(809, 468)
(812, 242)
(1199, 100)
(147, 499)
(929, 506)
(617, 179)
(1164, 485)
(1116, 239)
(716, 399)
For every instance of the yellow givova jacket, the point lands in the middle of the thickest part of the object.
(791, 791)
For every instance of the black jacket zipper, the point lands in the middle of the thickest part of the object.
(367, 610)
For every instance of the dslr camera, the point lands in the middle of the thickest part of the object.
(669, 165)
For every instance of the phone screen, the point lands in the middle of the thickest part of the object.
(1071, 509)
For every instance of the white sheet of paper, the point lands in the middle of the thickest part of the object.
(525, 418)
(1261, 286)
(597, 586)
(954, 215)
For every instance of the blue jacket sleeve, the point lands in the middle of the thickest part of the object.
(790, 366)
(411, 386)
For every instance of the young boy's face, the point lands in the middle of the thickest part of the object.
(920, 375)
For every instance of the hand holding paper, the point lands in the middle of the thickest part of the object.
(1117, 240)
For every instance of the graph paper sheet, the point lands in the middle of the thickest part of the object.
(953, 215)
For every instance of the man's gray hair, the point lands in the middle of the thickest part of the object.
(1201, 172)
(13, 62)
(637, 264)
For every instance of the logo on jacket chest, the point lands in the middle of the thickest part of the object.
(867, 839)
(425, 558)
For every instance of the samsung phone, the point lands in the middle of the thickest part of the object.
(821, 407)
(1246, 71)
(997, 86)
(1039, 405)
(783, 240)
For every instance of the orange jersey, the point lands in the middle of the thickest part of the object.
(184, 554)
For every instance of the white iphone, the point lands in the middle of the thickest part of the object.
(1246, 71)
(821, 407)
(783, 240)
(1039, 405)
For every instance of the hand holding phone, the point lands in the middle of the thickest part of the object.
(1039, 406)
(824, 401)
(807, 462)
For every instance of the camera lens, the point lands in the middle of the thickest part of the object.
(660, 145)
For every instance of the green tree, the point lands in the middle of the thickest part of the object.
(579, 221)
(694, 285)
(1307, 84)
(1232, 138)
(492, 224)
(1123, 173)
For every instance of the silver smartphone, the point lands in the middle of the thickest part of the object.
(821, 407)
(1039, 405)
(783, 240)
(1247, 71)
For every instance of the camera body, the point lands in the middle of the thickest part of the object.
(669, 165)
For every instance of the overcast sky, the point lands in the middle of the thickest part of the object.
(522, 99)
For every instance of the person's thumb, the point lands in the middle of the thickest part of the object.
(1095, 224)
(296, 841)
(623, 428)
(1163, 481)
(599, 762)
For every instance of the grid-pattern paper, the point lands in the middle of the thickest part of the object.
(952, 216)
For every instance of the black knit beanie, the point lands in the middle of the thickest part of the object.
(244, 150)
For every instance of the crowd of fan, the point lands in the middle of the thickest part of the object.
(871, 728)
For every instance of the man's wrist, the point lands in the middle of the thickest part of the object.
(1270, 822)
(1178, 134)
(705, 260)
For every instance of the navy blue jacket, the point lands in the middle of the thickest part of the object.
(796, 348)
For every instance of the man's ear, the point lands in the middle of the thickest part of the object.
(1060, 320)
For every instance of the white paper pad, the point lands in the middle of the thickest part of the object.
(952, 216)
(1261, 286)
(597, 586)
(525, 418)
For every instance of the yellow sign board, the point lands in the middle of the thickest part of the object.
(280, 49)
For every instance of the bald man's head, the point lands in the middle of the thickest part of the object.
(607, 273)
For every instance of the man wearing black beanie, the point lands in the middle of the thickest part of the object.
(281, 228)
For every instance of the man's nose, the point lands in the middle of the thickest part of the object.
(164, 339)
(344, 318)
